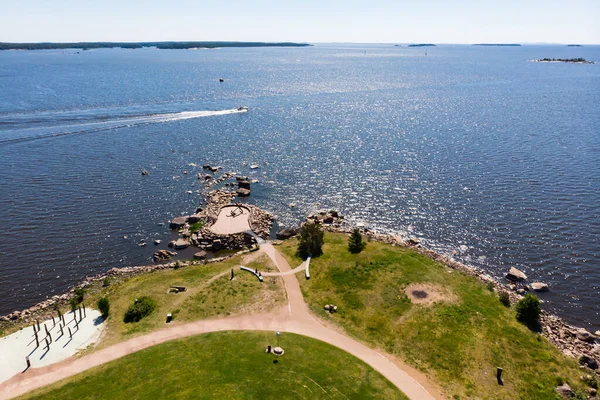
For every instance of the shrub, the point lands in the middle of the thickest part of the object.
(140, 308)
(355, 242)
(73, 303)
(79, 294)
(104, 306)
(590, 380)
(528, 311)
(504, 298)
(311, 241)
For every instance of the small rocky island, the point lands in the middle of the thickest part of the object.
(566, 60)
(422, 45)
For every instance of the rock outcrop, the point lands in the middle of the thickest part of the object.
(515, 275)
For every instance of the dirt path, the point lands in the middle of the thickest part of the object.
(295, 318)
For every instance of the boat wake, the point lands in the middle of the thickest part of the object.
(20, 128)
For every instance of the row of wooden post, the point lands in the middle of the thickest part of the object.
(48, 337)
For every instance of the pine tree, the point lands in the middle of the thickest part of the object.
(355, 242)
(311, 241)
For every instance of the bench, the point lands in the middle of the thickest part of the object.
(260, 278)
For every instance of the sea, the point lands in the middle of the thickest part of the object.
(481, 153)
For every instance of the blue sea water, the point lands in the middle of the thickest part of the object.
(476, 150)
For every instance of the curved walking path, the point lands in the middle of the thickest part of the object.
(294, 318)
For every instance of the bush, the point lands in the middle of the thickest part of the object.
(103, 306)
(590, 380)
(311, 241)
(528, 311)
(73, 303)
(504, 298)
(355, 242)
(140, 308)
(79, 294)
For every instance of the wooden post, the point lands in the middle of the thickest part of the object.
(37, 340)
(61, 329)
(38, 324)
(80, 315)
(83, 310)
(53, 322)
(28, 362)
(70, 333)
(231, 274)
(62, 316)
(499, 376)
(34, 330)
(46, 328)
(47, 344)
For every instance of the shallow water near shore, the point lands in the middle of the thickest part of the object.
(477, 151)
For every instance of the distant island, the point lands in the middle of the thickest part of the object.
(574, 45)
(422, 45)
(566, 60)
(498, 44)
(139, 45)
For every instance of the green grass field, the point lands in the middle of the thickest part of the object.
(229, 365)
(458, 341)
(207, 295)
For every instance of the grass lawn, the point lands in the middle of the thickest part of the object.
(229, 365)
(208, 295)
(459, 340)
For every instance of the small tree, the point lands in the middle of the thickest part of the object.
(73, 303)
(355, 242)
(311, 241)
(528, 311)
(104, 306)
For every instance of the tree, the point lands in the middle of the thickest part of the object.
(355, 242)
(311, 241)
(103, 306)
(528, 311)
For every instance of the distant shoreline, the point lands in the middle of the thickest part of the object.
(498, 44)
(139, 45)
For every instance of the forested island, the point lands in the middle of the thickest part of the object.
(139, 45)
(574, 45)
(422, 45)
(498, 44)
(566, 60)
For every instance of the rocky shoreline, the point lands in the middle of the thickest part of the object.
(571, 341)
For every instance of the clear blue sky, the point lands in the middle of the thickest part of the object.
(437, 21)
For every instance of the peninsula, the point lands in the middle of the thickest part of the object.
(139, 45)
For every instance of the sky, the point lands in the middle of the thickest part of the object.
(311, 21)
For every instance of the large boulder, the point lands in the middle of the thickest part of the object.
(588, 362)
(243, 184)
(565, 391)
(182, 244)
(539, 287)
(243, 192)
(286, 233)
(201, 255)
(192, 219)
(515, 275)
(178, 222)
(585, 336)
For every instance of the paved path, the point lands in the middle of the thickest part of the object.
(295, 318)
